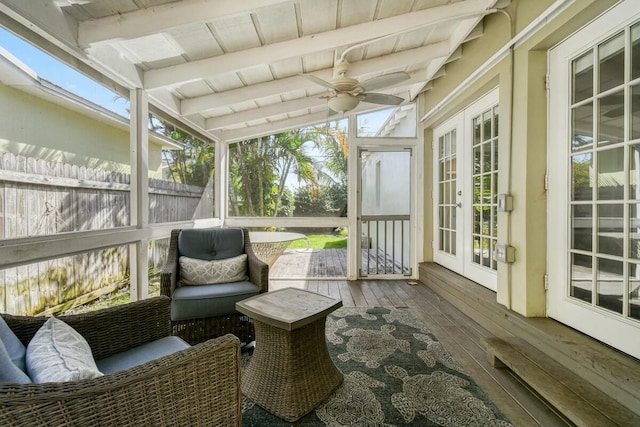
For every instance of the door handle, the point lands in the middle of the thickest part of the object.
(459, 204)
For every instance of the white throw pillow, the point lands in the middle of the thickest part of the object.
(58, 353)
(195, 271)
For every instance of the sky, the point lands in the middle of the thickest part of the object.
(62, 75)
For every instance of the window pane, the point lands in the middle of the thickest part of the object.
(582, 127)
(477, 219)
(634, 231)
(611, 174)
(477, 125)
(634, 291)
(486, 189)
(486, 125)
(57, 285)
(635, 111)
(496, 116)
(611, 119)
(582, 227)
(477, 163)
(610, 284)
(477, 189)
(634, 172)
(399, 122)
(583, 77)
(581, 277)
(486, 153)
(611, 229)
(635, 53)
(281, 175)
(182, 188)
(611, 55)
(582, 176)
(158, 251)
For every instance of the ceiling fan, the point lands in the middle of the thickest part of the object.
(345, 93)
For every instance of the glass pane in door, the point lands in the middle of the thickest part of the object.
(447, 166)
(485, 185)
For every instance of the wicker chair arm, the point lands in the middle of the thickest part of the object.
(196, 386)
(258, 270)
(169, 275)
(108, 330)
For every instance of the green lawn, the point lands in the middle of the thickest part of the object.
(320, 241)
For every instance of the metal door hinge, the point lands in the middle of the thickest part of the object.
(546, 181)
(546, 282)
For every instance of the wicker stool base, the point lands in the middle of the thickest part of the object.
(290, 372)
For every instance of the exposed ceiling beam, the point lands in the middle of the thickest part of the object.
(268, 54)
(263, 112)
(291, 106)
(393, 61)
(274, 127)
(162, 18)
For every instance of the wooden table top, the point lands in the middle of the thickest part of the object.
(288, 308)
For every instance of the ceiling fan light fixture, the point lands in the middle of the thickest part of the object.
(343, 102)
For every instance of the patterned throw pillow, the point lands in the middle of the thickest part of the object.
(202, 272)
(58, 353)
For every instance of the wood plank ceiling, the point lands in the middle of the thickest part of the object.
(232, 68)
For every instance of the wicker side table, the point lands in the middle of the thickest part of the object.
(290, 372)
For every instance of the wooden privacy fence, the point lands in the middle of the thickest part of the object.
(38, 197)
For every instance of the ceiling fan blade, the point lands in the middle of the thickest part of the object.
(384, 80)
(382, 98)
(318, 81)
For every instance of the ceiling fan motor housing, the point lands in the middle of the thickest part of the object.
(343, 102)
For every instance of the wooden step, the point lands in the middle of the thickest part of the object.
(613, 373)
(578, 400)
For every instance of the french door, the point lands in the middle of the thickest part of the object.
(465, 165)
(594, 179)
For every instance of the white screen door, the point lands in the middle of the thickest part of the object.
(594, 179)
(385, 211)
(465, 153)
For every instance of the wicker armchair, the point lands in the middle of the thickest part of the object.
(196, 386)
(219, 321)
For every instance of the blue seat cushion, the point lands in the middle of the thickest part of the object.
(211, 243)
(142, 354)
(196, 302)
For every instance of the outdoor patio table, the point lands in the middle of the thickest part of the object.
(269, 245)
(290, 372)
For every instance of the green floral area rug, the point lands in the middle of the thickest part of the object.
(395, 373)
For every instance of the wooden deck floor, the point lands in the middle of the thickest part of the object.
(457, 332)
(328, 263)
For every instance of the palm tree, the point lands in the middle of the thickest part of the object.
(259, 169)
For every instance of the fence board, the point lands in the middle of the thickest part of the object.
(38, 197)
